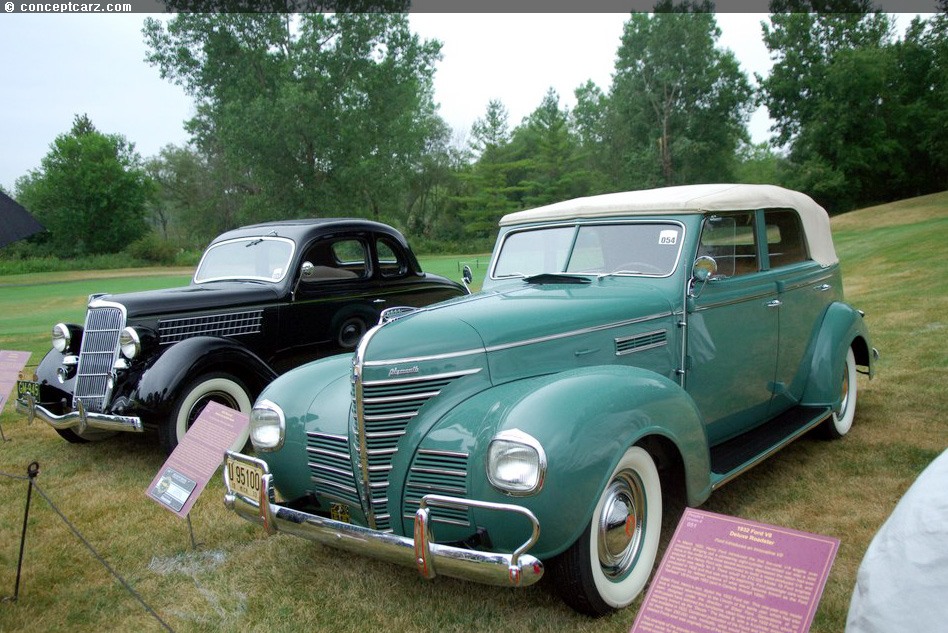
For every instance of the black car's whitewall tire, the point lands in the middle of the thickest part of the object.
(609, 565)
(842, 420)
(220, 388)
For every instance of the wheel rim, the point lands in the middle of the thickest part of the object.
(351, 332)
(621, 524)
(844, 394)
(220, 397)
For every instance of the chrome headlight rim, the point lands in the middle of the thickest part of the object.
(62, 337)
(501, 446)
(130, 343)
(267, 417)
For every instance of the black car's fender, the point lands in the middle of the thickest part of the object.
(53, 392)
(163, 383)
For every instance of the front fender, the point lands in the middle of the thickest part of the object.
(842, 327)
(313, 393)
(162, 383)
(585, 419)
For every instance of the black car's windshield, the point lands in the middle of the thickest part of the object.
(640, 248)
(252, 258)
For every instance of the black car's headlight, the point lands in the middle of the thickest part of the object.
(130, 343)
(516, 463)
(267, 426)
(62, 337)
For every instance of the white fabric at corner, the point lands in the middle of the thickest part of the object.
(902, 584)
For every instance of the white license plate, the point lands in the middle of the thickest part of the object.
(245, 479)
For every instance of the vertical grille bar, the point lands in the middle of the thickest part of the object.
(383, 410)
(97, 355)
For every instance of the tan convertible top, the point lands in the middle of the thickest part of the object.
(693, 199)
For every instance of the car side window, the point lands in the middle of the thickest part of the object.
(785, 241)
(340, 259)
(390, 264)
(731, 239)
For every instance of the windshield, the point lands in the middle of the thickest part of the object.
(251, 258)
(642, 248)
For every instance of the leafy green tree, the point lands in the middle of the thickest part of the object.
(312, 114)
(90, 192)
(678, 106)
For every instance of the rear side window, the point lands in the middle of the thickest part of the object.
(785, 241)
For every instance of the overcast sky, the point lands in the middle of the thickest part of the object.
(53, 67)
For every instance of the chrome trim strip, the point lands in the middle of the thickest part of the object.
(742, 299)
(589, 330)
(517, 569)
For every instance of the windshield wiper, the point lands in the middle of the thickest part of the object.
(556, 278)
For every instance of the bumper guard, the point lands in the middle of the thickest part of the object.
(517, 569)
(80, 419)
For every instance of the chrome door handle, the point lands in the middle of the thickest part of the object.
(776, 303)
(822, 288)
(378, 301)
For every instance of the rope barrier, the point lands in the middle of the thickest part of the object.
(32, 472)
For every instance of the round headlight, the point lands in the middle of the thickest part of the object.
(130, 343)
(516, 463)
(267, 426)
(61, 337)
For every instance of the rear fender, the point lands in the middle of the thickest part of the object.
(164, 381)
(842, 327)
(584, 419)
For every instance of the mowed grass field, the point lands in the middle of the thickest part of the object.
(238, 579)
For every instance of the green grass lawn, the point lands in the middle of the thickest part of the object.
(238, 579)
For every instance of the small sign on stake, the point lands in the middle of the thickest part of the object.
(197, 457)
(11, 364)
(722, 573)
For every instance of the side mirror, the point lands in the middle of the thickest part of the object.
(467, 277)
(704, 268)
(308, 270)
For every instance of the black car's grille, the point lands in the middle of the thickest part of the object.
(387, 407)
(641, 342)
(97, 355)
(231, 324)
(440, 473)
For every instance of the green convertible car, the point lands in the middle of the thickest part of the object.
(623, 346)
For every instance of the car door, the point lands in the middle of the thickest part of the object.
(805, 289)
(335, 302)
(732, 329)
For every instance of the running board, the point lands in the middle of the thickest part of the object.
(737, 455)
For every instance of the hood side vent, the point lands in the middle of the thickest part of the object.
(230, 324)
(641, 342)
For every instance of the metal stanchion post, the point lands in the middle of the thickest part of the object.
(31, 472)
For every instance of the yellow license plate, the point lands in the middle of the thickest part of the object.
(244, 479)
(24, 387)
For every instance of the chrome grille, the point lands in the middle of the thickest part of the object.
(230, 324)
(330, 467)
(97, 355)
(641, 342)
(387, 406)
(441, 473)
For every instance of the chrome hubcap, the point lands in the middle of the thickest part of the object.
(620, 524)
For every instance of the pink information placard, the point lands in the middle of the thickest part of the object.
(724, 574)
(11, 364)
(196, 458)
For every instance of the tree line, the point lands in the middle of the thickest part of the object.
(318, 114)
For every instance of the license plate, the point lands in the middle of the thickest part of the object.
(24, 387)
(244, 479)
(339, 512)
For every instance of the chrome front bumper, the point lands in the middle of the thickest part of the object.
(517, 569)
(80, 419)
